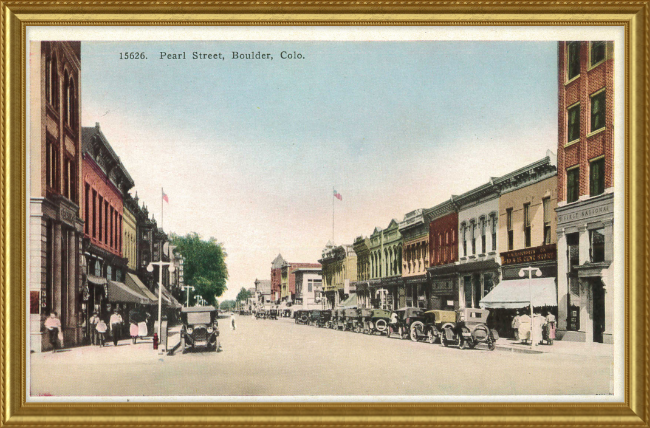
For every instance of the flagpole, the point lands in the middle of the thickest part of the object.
(333, 215)
(162, 207)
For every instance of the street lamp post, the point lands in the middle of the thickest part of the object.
(522, 273)
(160, 265)
(188, 288)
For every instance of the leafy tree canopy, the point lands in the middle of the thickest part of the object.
(243, 295)
(227, 305)
(204, 265)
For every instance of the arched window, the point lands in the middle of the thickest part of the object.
(66, 108)
(71, 104)
(53, 78)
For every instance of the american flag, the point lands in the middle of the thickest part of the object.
(338, 196)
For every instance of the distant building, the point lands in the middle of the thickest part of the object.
(339, 271)
(362, 285)
(276, 278)
(387, 287)
(262, 291)
(309, 287)
(443, 255)
(415, 257)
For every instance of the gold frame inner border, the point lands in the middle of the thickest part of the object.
(17, 15)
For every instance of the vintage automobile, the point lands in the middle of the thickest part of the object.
(350, 319)
(314, 316)
(429, 326)
(405, 318)
(200, 328)
(338, 319)
(301, 316)
(272, 314)
(469, 330)
(374, 320)
(324, 318)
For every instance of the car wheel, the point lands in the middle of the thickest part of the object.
(443, 339)
(417, 325)
(182, 344)
(430, 337)
(381, 325)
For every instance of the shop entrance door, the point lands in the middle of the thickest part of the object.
(599, 310)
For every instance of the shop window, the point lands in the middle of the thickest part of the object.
(572, 184)
(527, 225)
(573, 60)
(488, 284)
(573, 250)
(597, 245)
(597, 52)
(511, 236)
(546, 204)
(597, 177)
(598, 109)
(573, 123)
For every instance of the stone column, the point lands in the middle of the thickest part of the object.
(562, 283)
(586, 322)
(56, 268)
(608, 283)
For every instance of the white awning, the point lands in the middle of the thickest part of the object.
(513, 294)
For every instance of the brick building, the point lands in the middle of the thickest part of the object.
(276, 278)
(585, 183)
(56, 226)
(415, 257)
(443, 255)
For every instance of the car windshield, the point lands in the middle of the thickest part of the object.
(198, 317)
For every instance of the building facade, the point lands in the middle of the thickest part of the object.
(276, 278)
(309, 287)
(263, 291)
(129, 234)
(386, 285)
(339, 270)
(415, 257)
(56, 225)
(585, 182)
(443, 255)
(478, 264)
(362, 250)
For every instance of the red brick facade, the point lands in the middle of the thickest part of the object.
(292, 276)
(276, 283)
(443, 240)
(102, 209)
(579, 89)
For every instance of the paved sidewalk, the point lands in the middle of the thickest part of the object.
(558, 347)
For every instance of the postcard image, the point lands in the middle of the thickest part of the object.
(358, 219)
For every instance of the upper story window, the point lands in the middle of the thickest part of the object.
(51, 164)
(597, 177)
(494, 232)
(527, 225)
(546, 204)
(596, 52)
(51, 81)
(598, 109)
(573, 123)
(71, 103)
(573, 60)
(572, 184)
(69, 179)
(464, 240)
(473, 231)
(483, 241)
(511, 237)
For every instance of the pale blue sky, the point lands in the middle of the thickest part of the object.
(249, 150)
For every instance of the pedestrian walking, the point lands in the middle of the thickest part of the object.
(142, 326)
(232, 321)
(94, 319)
(53, 326)
(101, 332)
(116, 325)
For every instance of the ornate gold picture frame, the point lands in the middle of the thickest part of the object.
(18, 15)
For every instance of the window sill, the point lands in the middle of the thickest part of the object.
(482, 255)
(573, 79)
(491, 253)
(471, 257)
(591, 67)
(570, 143)
(463, 259)
(597, 131)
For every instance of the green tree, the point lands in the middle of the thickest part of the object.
(243, 295)
(204, 266)
(227, 305)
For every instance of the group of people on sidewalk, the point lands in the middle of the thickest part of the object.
(99, 328)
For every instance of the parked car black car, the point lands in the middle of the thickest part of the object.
(405, 318)
(200, 329)
(469, 330)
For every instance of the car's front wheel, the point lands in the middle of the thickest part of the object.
(182, 343)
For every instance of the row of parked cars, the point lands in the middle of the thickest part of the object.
(464, 328)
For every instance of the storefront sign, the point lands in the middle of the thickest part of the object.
(422, 279)
(390, 282)
(601, 207)
(442, 288)
(528, 255)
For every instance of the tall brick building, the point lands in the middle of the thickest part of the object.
(585, 194)
(56, 228)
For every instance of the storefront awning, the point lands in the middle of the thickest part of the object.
(120, 293)
(97, 280)
(134, 282)
(515, 294)
(168, 299)
(350, 302)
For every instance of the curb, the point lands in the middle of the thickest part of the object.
(517, 349)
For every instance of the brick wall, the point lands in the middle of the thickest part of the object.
(448, 251)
